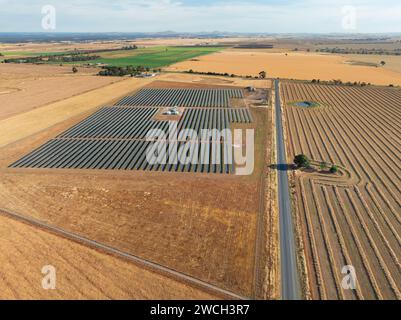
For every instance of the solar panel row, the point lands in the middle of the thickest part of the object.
(127, 155)
(215, 98)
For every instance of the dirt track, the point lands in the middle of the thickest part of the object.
(353, 218)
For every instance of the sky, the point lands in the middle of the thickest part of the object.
(255, 16)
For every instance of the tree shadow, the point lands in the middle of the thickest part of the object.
(283, 167)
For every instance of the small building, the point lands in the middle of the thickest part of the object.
(172, 112)
(146, 75)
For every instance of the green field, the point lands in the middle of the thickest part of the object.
(153, 57)
(156, 57)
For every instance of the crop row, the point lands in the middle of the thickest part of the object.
(357, 129)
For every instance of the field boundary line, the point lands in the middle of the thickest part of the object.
(186, 279)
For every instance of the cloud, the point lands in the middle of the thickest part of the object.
(192, 15)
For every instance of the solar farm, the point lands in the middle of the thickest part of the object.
(115, 137)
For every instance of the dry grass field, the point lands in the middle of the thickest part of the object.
(352, 218)
(82, 273)
(205, 226)
(393, 63)
(28, 123)
(295, 65)
(27, 87)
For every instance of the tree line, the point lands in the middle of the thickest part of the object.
(395, 52)
(132, 71)
(76, 57)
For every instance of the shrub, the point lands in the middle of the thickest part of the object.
(334, 169)
(302, 161)
(323, 165)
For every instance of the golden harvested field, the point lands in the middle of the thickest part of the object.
(216, 81)
(82, 273)
(296, 65)
(190, 224)
(352, 218)
(27, 87)
(393, 63)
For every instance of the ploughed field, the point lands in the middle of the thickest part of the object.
(354, 217)
(118, 137)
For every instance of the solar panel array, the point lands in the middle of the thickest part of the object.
(115, 137)
(214, 98)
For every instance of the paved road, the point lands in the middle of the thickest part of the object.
(105, 248)
(289, 272)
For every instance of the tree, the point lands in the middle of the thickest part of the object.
(302, 161)
(74, 70)
(333, 169)
(323, 165)
(382, 63)
(262, 75)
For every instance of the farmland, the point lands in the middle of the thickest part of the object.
(157, 57)
(352, 218)
(152, 57)
(175, 220)
(83, 273)
(295, 65)
(42, 85)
